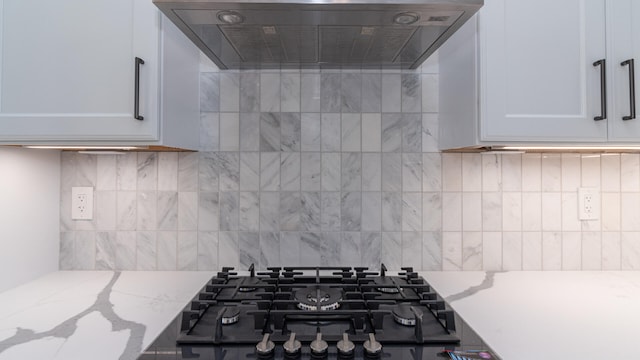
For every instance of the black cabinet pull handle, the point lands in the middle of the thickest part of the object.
(136, 87)
(632, 89)
(603, 89)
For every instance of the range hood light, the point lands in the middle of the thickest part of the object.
(571, 148)
(230, 17)
(406, 18)
(56, 147)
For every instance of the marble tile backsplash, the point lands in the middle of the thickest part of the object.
(342, 168)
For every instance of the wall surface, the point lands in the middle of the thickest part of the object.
(342, 168)
(29, 194)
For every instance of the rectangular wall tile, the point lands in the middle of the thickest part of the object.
(532, 250)
(188, 170)
(371, 132)
(290, 171)
(290, 132)
(146, 250)
(512, 251)
(167, 250)
(371, 211)
(249, 92)
(391, 87)
(229, 132)
(391, 132)
(269, 92)
(310, 171)
(331, 132)
(351, 132)
(248, 249)
(391, 211)
(451, 251)
(330, 211)
(492, 251)
(168, 171)
(351, 171)
(310, 92)
(551, 250)
(310, 211)
(208, 251)
(350, 93)
(371, 172)
(371, 243)
(269, 171)
(270, 248)
(249, 171)
(391, 254)
(230, 94)
(351, 211)
(310, 131)
(431, 251)
(290, 92)
(187, 250)
(630, 249)
(472, 250)
(209, 131)
(330, 178)
(611, 251)
(269, 132)
(371, 93)
(249, 129)
(127, 171)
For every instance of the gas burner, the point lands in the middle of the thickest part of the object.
(403, 315)
(318, 298)
(389, 290)
(387, 285)
(248, 284)
(230, 316)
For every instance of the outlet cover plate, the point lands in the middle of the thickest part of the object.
(588, 203)
(82, 203)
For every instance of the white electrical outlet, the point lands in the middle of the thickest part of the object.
(81, 203)
(588, 203)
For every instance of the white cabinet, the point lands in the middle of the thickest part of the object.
(67, 74)
(523, 72)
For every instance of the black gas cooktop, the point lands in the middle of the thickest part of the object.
(311, 313)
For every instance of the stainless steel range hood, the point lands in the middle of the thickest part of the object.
(259, 34)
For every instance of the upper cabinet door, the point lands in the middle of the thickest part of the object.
(624, 53)
(538, 81)
(67, 70)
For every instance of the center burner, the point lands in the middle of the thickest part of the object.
(318, 298)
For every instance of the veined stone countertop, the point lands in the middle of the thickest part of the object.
(548, 315)
(92, 314)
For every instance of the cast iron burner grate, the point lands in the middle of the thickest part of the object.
(331, 301)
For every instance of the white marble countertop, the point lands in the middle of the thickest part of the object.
(92, 314)
(548, 315)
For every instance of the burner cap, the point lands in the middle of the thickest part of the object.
(230, 316)
(308, 298)
(403, 315)
(387, 285)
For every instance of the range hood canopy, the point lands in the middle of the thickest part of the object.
(375, 34)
